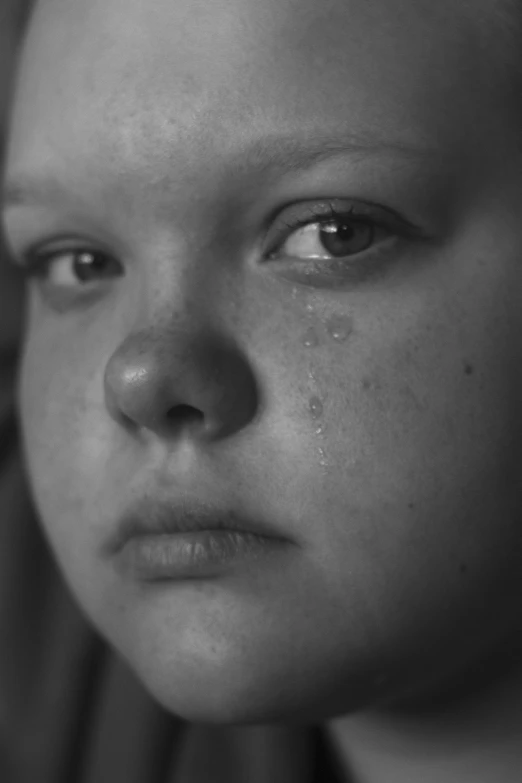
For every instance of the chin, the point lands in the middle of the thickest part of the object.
(229, 695)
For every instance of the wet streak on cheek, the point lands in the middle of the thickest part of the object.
(337, 327)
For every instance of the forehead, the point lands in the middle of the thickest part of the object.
(130, 81)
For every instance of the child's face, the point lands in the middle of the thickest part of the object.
(366, 404)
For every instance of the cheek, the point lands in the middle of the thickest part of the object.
(420, 438)
(425, 373)
(421, 486)
(64, 439)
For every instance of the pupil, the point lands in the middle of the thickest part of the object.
(344, 232)
(344, 238)
(86, 264)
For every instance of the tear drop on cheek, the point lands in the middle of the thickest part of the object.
(316, 407)
(310, 339)
(339, 327)
(322, 458)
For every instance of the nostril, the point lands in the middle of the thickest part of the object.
(183, 414)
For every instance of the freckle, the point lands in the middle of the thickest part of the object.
(366, 384)
(411, 506)
(463, 568)
(339, 327)
(468, 368)
(316, 407)
(310, 339)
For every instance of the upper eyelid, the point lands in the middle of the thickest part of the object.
(318, 210)
(42, 250)
(335, 217)
(330, 211)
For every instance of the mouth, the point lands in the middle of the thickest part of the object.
(187, 538)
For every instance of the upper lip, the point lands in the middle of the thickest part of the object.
(150, 516)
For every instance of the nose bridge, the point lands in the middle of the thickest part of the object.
(169, 377)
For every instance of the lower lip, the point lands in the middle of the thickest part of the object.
(200, 554)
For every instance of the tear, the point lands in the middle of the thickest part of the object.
(339, 327)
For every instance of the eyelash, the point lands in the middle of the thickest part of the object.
(325, 211)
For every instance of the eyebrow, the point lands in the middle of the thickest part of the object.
(287, 153)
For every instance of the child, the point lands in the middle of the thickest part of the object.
(273, 252)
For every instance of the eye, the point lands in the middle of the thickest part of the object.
(336, 235)
(335, 244)
(338, 238)
(68, 269)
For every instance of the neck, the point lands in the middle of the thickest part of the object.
(474, 735)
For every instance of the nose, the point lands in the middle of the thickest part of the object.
(166, 380)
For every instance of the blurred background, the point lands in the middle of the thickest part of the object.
(12, 19)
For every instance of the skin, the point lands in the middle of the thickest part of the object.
(404, 574)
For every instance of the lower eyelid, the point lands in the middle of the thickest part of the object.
(345, 270)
